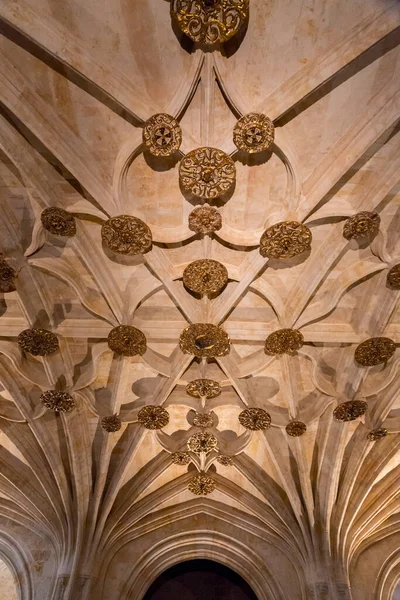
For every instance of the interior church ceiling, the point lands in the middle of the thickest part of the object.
(166, 387)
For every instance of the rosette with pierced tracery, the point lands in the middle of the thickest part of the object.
(205, 219)
(203, 420)
(126, 235)
(255, 419)
(283, 341)
(377, 434)
(205, 276)
(393, 277)
(162, 135)
(210, 21)
(374, 351)
(58, 221)
(153, 417)
(203, 388)
(7, 277)
(225, 460)
(111, 424)
(207, 173)
(296, 428)
(57, 401)
(201, 485)
(350, 411)
(254, 132)
(285, 240)
(204, 340)
(181, 458)
(361, 225)
(38, 342)
(202, 443)
(127, 340)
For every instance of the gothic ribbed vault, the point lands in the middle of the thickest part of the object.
(89, 514)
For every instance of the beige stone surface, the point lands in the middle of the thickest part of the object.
(8, 588)
(86, 515)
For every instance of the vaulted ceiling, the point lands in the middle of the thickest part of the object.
(78, 80)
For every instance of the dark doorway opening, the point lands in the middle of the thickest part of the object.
(200, 580)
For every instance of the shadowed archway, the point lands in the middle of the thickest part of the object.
(198, 579)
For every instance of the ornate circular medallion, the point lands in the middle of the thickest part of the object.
(283, 341)
(38, 342)
(253, 133)
(58, 221)
(285, 240)
(377, 434)
(296, 428)
(255, 419)
(162, 135)
(205, 276)
(203, 420)
(111, 424)
(153, 417)
(351, 410)
(7, 277)
(393, 278)
(57, 401)
(225, 460)
(181, 458)
(210, 21)
(374, 351)
(361, 225)
(127, 340)
(204, 340)
(207, 173)
(205, 219)
(201, 485)
(202, 442)
(203, 388)
(126, 235)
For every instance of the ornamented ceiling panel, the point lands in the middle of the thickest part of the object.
(209, 230)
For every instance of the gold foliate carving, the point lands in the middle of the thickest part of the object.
(181, 458)
(254, 132)
(296, 428)
(207, 173)
(111, 424)
(58, 221)
(225, 460)
(205, 219)
(255, 419)
(7, 277)
(351, 410)
(210, 21)
(285, 240)
(205, 276)
(162, 135)
(393, 278)
(57, 401)
(374, 351)
(127, 235)
(377, 434)
(283, 341)
(201, 485)
(361, 225)
(127, 340)
(38, 342)
(153, 417)
(204, 340)
(203, 420)
(202, 442)
(203, 388)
